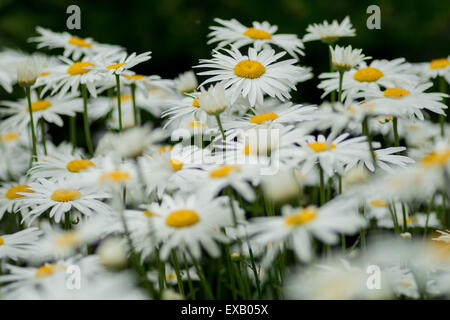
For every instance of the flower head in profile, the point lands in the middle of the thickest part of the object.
(346, 58)
(214, 100)
(329, 33)
(28, 71)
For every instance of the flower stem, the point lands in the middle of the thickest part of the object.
(87, 131)
(333, 93)
(33, 133)
(119, 102)
(366, 132)
(44, 144)
(395, 127)
(341, 76)
(176, 266)
(133, 99)
(322, 186)
(219, 123)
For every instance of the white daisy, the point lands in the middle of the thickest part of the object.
(49, 108)
(187, 224)
(435, 68)
(72, 45)
(329, 33)
(253, 75)
(20, 244)
(345, 58)
(117, 64)
(10, 195)
(384, 159)
(260, 35)
(298, 226)
(62, 196)
(186, 82)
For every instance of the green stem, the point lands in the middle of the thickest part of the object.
(87, 131)
(202, 277)
(73, 132)
(366, 132)
(395, 127)
(219, 123)
(341, 76)
(333, 93)
(119, 102)
(322, 185)
(135, 111)
(44, 144)
(176, 266)
(33, 133)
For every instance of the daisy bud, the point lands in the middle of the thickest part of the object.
(213, 101)
(405, 235)
(112, 253)
(344, 59)
(186, 82)
(169, 294)
(281, 187)
(27, 72)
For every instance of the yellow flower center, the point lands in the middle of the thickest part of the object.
(263, 117)
(68, 239)
(149, 214)
(195, 103)
(134, 77)
(40, 105)
(43, 74)
(246, 150)
(395, 93)
(301, 217)
(65, 195)
(12, 192)
(48, 269)
(114, 176)
(223, 171)
(9, 136)
(163, 149)
(368, 74)
(440, 158)
(257, 34)
(79, 165)
(378, 203)
(439, 63)
(79, 42)
(171, 276)
(124, 97)
(2, 242)
(182, 218)
(197, 124)
(321, 146)
(115, 66)
(250, 69)
(176, 164)
(79, 68)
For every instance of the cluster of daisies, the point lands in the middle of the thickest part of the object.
(225, 189)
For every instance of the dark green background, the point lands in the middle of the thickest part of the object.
(175, 30)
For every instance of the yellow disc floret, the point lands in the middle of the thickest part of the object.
(79, 42)
(13, 192)
(395, 93)
(114, 176)
(301, 217)
(65, 195)
(40, 105)
(249, 69)
(182, 218)
(223, 171)
(257, 34)
(115, 66)
(263, 117)
(79, 165)
(9, 136)
(79, 68)
(368, 74)
(176, 164)
(439, 63)
(321, 146)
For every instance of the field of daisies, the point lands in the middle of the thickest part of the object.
(216, 184)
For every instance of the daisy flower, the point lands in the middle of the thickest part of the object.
(253, 75)
(61, 165)
(60, 197)
(346, 58)
(118, 64)
(331, 155)
(273, 114)
(70, 75)
(20, 244)
(385, 158)
(186, 82)
(72, 45)
(185, 107)
(298, 226)
(10, 195)
(378, 73)
(260, 35)
(173, 168)
(189, 223)
(329, 33)
(8, 67)
(435, 68)
(49, 108)
(406, 101)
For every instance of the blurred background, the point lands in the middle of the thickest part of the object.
(176, 30)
